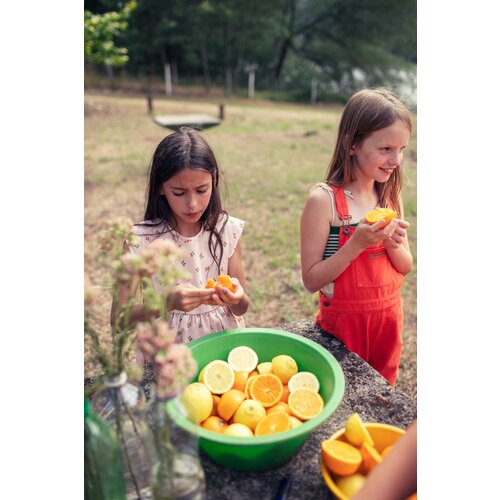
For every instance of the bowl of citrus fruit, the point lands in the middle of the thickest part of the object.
(258, 395)
(353, 452)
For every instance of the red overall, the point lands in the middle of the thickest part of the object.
(366, 311)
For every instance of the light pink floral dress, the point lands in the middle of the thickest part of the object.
(200, 265)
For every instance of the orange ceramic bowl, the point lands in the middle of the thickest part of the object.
(383, 435)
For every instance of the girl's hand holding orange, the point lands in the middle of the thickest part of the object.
(225, 297)
(187, 297)
(398, 236)
(368, 235)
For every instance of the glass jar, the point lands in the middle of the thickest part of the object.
(103, 463)
(178, 473)
(121, 403)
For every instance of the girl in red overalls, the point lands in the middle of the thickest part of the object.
(359, 268)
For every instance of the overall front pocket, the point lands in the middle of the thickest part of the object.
(373, 268)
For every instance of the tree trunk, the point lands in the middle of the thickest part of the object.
(281, 60)
(287, 42)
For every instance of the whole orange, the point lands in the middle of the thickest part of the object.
(214, 424)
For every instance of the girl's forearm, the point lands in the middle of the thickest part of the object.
(328, 270)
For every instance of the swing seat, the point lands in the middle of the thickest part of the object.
(175, 122)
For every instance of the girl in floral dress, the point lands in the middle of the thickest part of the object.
(184, 206)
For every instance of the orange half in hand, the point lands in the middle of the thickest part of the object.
(210, 283)
(223, 280)
(380, 213)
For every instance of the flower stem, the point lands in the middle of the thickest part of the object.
(116, 400)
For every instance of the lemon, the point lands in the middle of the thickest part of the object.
(303, 380)
(249, 413)
(238, 430)
(200, 376)
(265, 367)
(197, 401)
(218, 376)
(295, 421)
(356, 432)
(284, 366)
(350, 485)
(243, 359)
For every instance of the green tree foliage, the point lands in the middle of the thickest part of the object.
(341, 36)
(100, 32)
(290, 41)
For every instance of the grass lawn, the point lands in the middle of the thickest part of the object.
(270, 154)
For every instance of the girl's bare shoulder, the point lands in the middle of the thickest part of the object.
(318, 196)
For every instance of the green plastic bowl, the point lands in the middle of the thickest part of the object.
(264, 452)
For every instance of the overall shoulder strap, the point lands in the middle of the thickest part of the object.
(328, 189)
(341, 204)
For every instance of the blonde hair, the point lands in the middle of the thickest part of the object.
(366, 111)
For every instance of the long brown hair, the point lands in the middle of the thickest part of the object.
(185, 148)
(367, 111)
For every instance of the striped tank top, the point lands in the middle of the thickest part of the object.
(332, 244)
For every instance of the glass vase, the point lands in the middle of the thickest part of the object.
(178, 473)
(121, 403)
(103, 465)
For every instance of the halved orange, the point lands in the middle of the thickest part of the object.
(278, 421)
(210, 283)
(339, 457)
(267, 389)
(371, 457)
(225, 281)
(305, 404)
(229, 403)
(380, 213)
(251, 377)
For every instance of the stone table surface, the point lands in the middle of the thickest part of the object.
(366, 392)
